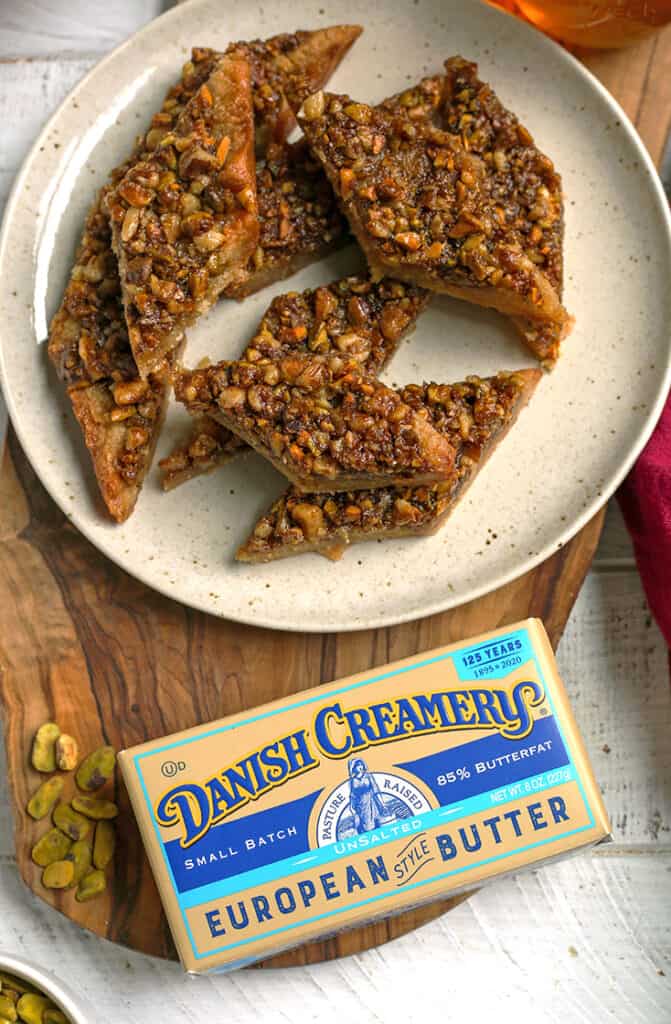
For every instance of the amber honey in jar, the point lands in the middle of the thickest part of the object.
(602, 24)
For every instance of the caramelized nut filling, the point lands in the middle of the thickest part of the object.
(472, 415)
(88, 339)
(184, 219)
(433, 205)
(320, 421)
(299, 218)
(353, 318)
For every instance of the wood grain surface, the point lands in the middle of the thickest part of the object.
(82, 642)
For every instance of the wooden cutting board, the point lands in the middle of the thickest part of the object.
(87, 646)
(84, 644)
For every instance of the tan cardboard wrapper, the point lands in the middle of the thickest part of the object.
(364, 797)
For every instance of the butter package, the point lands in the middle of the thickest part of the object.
(363, 797)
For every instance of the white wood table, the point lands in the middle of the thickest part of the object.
(585, 940)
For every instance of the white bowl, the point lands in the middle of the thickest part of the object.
(62, 996)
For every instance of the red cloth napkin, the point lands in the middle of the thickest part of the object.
(645, 500)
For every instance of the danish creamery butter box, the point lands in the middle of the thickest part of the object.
(364, 797)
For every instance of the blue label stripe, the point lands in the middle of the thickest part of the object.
(280, 832)
(503, 760)
(371, 840)
(243, 843)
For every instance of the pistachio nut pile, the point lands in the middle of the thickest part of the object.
(22, 1002)
(75, 852)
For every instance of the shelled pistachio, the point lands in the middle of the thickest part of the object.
(103, 844)
(58, 875)
(43, 755)
(96, 769)
(94, 808)
(91, 885)
(52, 846)
(43, 799)
(81, 855)
(67, 752)
(31, 1007)
(71, 822)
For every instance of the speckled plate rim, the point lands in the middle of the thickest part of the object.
(451, 600)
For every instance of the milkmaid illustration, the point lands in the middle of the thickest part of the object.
(369, 808)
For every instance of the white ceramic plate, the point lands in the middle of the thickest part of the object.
(570, 449)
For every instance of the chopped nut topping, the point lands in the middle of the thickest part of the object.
(121, 433)
(473, 416)
(208, 446)
(207, 153)
(428, 206)
(421, 102)
(355, 317)
(88, 339)
(286, 69)
(217, 122)
(314, 106)
(323, 424)
(361, 319)
(299, 218)
(523, 184)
